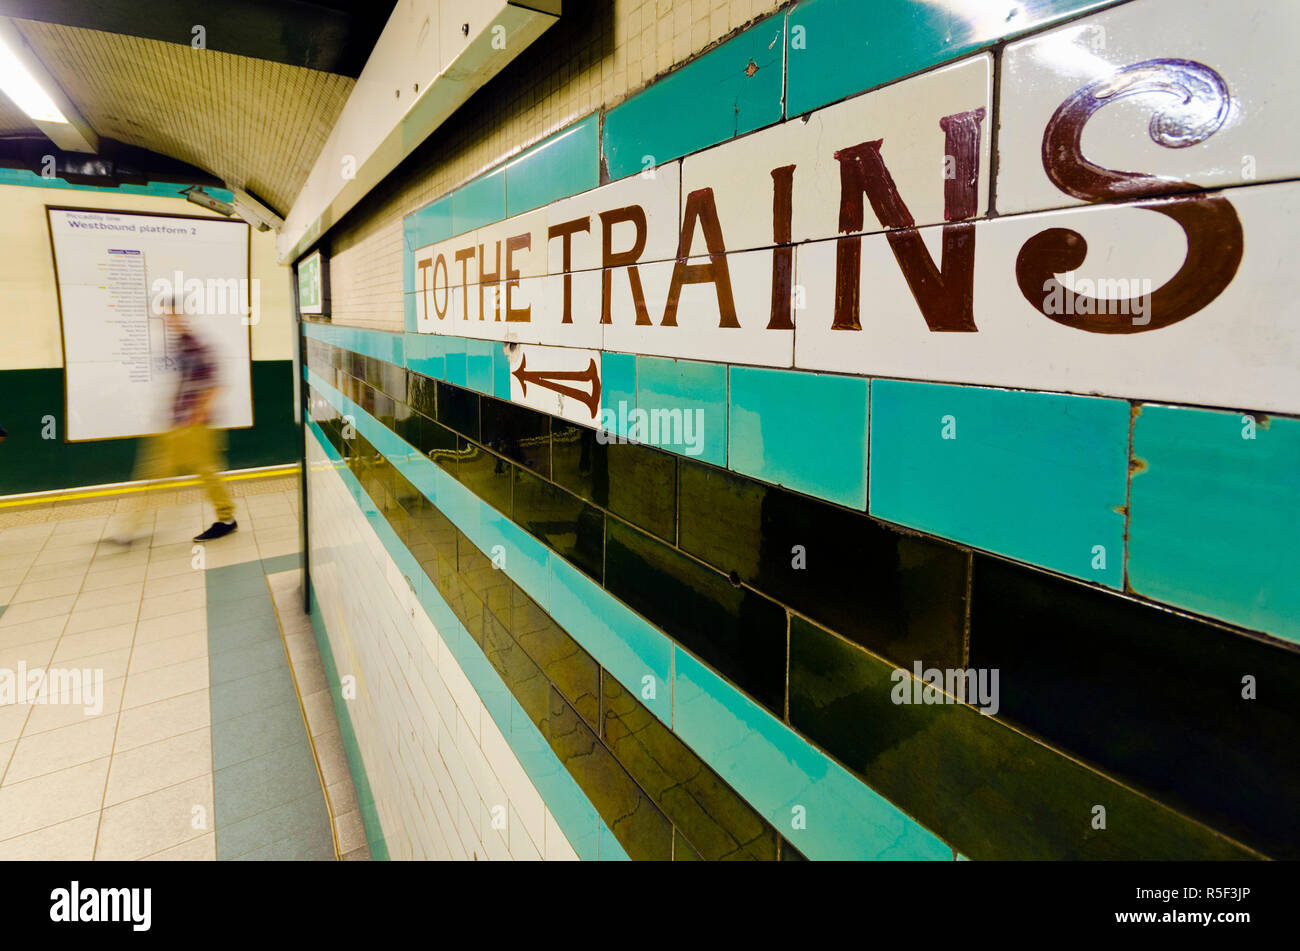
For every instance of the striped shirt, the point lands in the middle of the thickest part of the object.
(198, 376)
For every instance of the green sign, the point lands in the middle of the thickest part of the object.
(310, 294)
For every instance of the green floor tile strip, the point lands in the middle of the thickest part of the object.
(267, 792)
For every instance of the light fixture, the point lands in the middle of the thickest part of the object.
(198, 196)
(21, 86)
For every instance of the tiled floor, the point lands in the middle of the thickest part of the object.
(150, 754)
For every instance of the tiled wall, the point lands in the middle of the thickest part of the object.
(1111, 530)
(442, 783)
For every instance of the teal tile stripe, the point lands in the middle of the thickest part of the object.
(805, 431)
(727, 92)
(1215, 515)
(267, 796)
(561, 165)
(697, 394)
(479, 202)
(23, 176)
(844, 826)
(575, 814)
(1063, 441)
(1040, 477)
(814, 802)
(841, 47)
(372, 343)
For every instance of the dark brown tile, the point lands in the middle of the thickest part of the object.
(900, 595)
(1153, 697)
(634, 482)
(636, 822)
(520, 434)
(713, 817)
(568, 525)
(984, 788)
(738, 632)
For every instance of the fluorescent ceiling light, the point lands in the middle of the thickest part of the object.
(20, 86)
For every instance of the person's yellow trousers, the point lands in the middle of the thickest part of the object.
(195, 448)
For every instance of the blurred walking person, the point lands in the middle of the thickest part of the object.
(191, 444)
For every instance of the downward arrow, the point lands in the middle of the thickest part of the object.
(547, 379)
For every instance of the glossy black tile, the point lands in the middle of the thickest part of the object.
(393, 381)
(682, 851)
(573, 671)
(984, 788)
(422, 394)
(790, 854)
(900, 595)
(459, 409)
(437, 442)
(738, 632)
(522, 677)
(718, 823)
(490, 584)
(486, 475)
(634, 482)
(563, 521)
(1156, 698)
(641, 829)
(520, 434)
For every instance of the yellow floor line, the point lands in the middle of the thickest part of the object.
(147, 487)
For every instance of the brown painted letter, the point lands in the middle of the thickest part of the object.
(610, 260)
(945, 293)
(701, 208)
(783, 253)
(1199, 106)
(566, 231)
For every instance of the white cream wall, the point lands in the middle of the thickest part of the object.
(29, 309)
(436, 761)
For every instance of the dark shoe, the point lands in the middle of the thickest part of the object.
(218, 530)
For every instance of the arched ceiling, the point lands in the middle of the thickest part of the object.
(257, 123)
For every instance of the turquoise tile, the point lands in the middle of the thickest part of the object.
(1215, 517)
(408, 258)
(479, 358)
(672, 394)
(526, 560)
(429, 357)
(617, 390)
(1038, 477)
(839, 47)
(429, 225)
(410, 312)
(811, 800)
(727, 92)
(500, 372)
(805, 431)
(621, 641)
(457, 371)
(573, 811)
(479, 202)
(563, 164)
(609, 848)
(487, 683)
